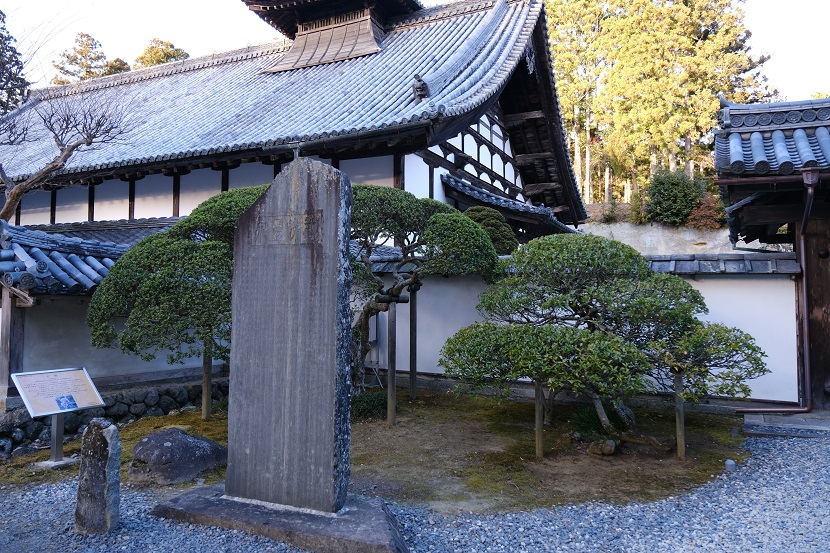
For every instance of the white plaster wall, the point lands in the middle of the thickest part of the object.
(154, 197)
(416, 176)
(55, 336)
(196, 187)
(35, 208)
(371, 170)
(439, 186)
(250, 174)
(445, 306)
(112, 200)
(72, 204)
(765, 308)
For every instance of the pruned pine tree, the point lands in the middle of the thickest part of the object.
(170, 294)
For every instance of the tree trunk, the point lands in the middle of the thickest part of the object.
(549, 407)
(577, 157)
(392, 346)
(653, 162)
(207, 384)
(635, 186)
(540, 418)
(672, 161)
(589, 194)
(608, 191)
(687, 152)
(603, 416)
(679, 416)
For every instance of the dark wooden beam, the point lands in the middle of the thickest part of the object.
(531, 189)
(527, 159)
(781, 214)
(508, 187)
(511, 118)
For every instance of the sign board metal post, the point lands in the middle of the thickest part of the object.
(57, 438)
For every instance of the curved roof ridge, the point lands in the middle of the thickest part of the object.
(437, 13)
(163, 70)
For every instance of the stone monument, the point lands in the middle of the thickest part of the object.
(99, 480)
(288, 415)
(291, 343)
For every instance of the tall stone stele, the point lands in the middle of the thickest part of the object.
(99, 479)
(288, 419)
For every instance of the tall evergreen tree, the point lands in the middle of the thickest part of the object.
(85, 61)
(644, 75)
(158, 52)
(13, 85)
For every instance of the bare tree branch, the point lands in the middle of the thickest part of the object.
(75, 123)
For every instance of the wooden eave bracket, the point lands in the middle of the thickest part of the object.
(23, 298)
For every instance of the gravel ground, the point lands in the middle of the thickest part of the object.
(777, 501)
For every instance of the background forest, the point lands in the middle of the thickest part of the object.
(639, 81)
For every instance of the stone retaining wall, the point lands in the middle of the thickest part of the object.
(20, 434)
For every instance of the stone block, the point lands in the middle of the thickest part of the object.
(99, 481)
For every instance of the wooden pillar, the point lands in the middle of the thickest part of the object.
(816, 270)
(90, 213)
(391, 351)
(11, 343)
(177, 191)
(413, 341)
(53, 205)
(131, 200)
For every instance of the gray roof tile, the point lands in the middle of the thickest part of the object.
(52, 263)
(775, 139)
(725, 263)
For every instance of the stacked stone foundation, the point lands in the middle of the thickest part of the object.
(21, 434)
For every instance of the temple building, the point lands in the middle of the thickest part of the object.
(456, 103)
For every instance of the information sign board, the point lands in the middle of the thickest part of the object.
(56, 391)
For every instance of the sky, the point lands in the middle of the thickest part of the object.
(790, 31)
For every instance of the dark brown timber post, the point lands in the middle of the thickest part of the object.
(413, 340)
(11, 343)
(392, 352)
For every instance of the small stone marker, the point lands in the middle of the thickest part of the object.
(99, 481)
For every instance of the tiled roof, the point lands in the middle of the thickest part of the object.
(545, 216)
(226, 103)
(54, 264)
(725, 264)
(126, 232)
(772, 139)
(72, 258)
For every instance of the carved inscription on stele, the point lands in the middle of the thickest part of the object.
(289, 228)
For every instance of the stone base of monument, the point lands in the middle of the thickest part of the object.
(362, 526)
